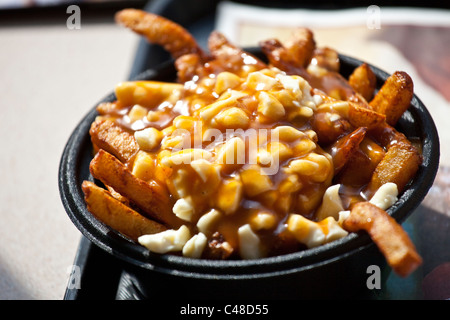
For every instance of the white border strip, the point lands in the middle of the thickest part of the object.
(230, 15)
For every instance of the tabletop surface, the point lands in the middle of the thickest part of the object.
(52, 75)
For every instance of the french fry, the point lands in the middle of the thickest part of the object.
(327, 58)
(387, 234)
(151, 198)
(329, 131)
(361, 165)
(386, 135)
(188, 66)
(344, 148)
(300, 46)
(159, 30)
(118, 196)
(363, 81)
(399, 166)
(337, 87)
(116, 214)
(394, 97)
(230, 57)
(360, 116)
(107, 135)
(280, 58)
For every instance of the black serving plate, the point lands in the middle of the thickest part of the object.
(337, 269)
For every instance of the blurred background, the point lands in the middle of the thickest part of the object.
(57, 61)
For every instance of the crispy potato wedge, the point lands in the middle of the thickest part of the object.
(220, 48)
(337, 87)
(364, 81)
(362, 117)
(116, 214)
(399, 166)
(361, 165)
(386, 135)
(328, 131)
(118, 196)
(188, 66)
(227, 56)
(327, 58)
(300, 46)
(343, 149)
(280, 58)
(107, 135)
(151, 198)
(159, 30)
(387, 234)
(394, 97)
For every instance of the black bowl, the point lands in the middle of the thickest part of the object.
(337, 269)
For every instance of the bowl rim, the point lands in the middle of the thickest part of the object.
(72, 165)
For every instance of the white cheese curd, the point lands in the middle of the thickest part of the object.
(249, 243)
(202, 167)
(204, 224)
(334, 230)
(290, 83)
(148, 138)
(385, 196)
(183, 209)
(305, 231)
(165, 241)
(331, 203)
(194, 246)
(342, 216)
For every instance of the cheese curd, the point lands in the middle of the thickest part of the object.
(385, 196)
(166, 241)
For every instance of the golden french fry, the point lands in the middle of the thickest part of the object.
(300, 46)
(359, 168)
(151, 197)
(363, 117)
(394, 97)
(188, 66)
(337, 87)
(344, 148)
(116, 214)
(327, 58)
(387, 234)
(364, 81)
(328, 130)
(399, 165)
(230, 57)
(118, 196)
(386, 135)
(159, 30)
(279, 57)
(109, 136)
